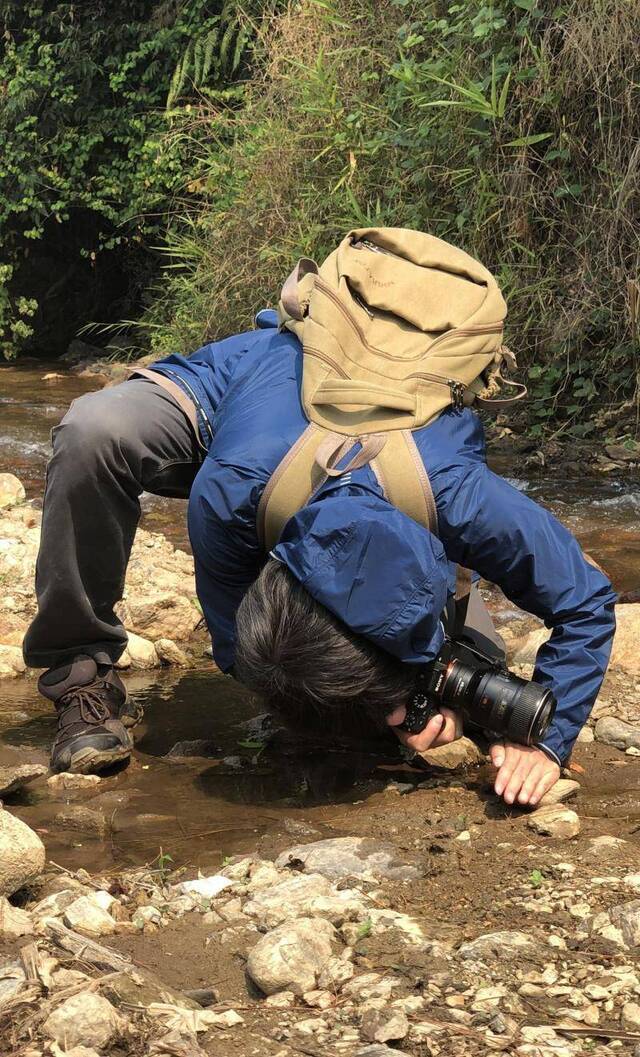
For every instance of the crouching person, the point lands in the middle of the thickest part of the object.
(335, 468)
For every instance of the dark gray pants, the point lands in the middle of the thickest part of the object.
(109, 448)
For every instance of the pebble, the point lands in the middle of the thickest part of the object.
(631, 1016)
(384, 1025)
(564, 789)
(11, 491)
(554, 821)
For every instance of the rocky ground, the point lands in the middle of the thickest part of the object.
(425, 919)
(159, 607)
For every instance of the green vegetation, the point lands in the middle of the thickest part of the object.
(508, 127)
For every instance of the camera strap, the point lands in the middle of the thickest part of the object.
(461, 600)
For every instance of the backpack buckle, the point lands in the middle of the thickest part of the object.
(457, 394)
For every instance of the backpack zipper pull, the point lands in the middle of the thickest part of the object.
(457, 394)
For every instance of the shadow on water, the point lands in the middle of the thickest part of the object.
(198, 807)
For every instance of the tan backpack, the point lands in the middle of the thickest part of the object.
(396, 325)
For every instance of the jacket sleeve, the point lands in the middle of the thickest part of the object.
(226, 553)
(488, 526)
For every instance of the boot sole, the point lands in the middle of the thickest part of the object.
(92, 761)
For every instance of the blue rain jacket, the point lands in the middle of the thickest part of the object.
(380, 572)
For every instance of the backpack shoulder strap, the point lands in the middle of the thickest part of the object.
(290, 486)
(305, 467)
(404, 480)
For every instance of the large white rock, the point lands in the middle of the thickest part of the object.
(340, 857)
(84, 1020)
(22, 854)
(11, 491)
(624, 655)
(291, 957)
(304, 895)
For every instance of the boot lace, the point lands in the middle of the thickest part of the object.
(79, 707)
(90, 704)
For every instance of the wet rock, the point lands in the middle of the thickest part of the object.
(22, 854)
(340, 857)
(86, 916)
(171, 653)
(384, 1025)
(308, 895)
(202, 747)
(13, 921)
(564, 789)
(626, 917)
(616, 733)
(141, 651)
(11, 491)
(15, 777)
(11, 662)
(82, 818)
(460, 753)
(65, 782)
(554, 821)
(84, 1019)
(506, 945)
(291, 957)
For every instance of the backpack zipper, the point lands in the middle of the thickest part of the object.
(457, 388)
(481, 328)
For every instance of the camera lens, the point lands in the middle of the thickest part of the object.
(499, 701)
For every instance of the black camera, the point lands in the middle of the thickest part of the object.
(490, 696)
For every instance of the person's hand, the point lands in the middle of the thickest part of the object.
(525, 773)
(442, 729)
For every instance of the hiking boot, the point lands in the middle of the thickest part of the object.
(91, 736)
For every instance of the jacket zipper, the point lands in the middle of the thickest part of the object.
(180, 381)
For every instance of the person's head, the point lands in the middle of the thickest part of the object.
(308, 667)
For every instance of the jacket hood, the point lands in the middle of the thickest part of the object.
(374, 568)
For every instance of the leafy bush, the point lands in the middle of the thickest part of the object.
(510, 128)
(85, 171)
